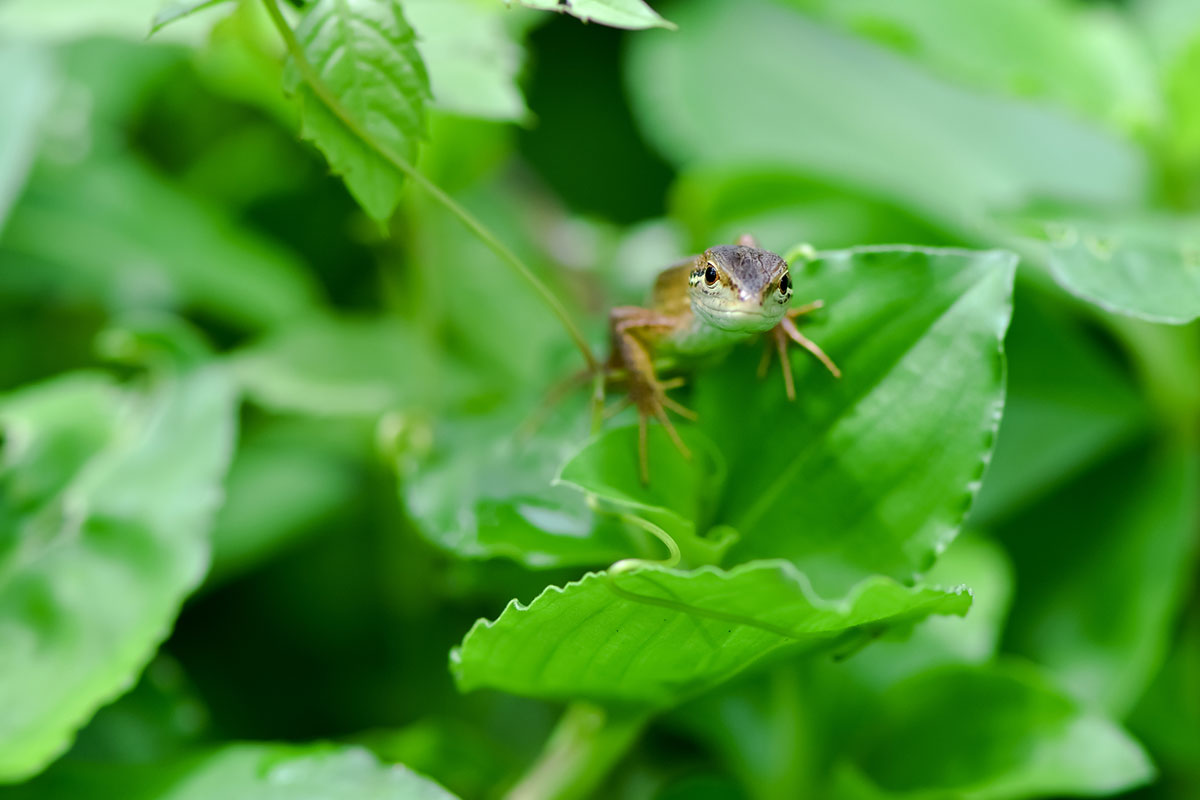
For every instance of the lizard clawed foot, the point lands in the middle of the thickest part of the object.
(650, 398)
(780, 335)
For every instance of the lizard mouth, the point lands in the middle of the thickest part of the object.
(752, 319)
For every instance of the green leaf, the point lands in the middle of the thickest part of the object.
(1105, 566)
(989, 733)
(109, 501)
(473, 61)
(344, 365)
(240, 772)
(631, 14)
(1143, 267)
(653, 635)
(818, 100)
(365, 54)
(871, 473)
(112, 231)
(26, 86)
(177, 9)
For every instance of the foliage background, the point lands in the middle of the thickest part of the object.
(218, 368)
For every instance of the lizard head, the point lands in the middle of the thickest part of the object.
(739, 288)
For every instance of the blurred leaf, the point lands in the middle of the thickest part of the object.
(458, 754)
(162, 716)
(817, 101)
(177, 9)
(65, 20)
(653, 635)
(778, 731)
(1080, 56)
(990, 733)
(23, 102)
(240, 772)
(345, 366)
(472, 60)
(365, 54)
(286, 478)
(115, 231)
(463, 290)
(782, 205)
(100, 560)
(1144, 267)
(1168, 715)
(973, 639)
(873, 472)
(1068, 404)
(632, 14)
(484, 489)
(1104, 565)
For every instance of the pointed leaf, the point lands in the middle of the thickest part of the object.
(873, 472)
(365, 54)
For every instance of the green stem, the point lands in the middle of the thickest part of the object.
(475, 226)
(585, 745)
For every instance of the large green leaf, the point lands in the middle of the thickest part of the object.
(107, 502)
(1105, 565)
(873, 472)
(989, 733)
(239, 772)
(633, 14)
(654, 635)
(753, 82)
(115, 232)
(365, 54)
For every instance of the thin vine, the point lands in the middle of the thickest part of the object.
(309, 73)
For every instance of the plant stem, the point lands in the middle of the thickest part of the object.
(587, 742)
(318, 87)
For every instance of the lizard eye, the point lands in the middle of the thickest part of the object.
(785, 284)
(710, 275)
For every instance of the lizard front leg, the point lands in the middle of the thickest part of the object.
(631, 329)
(779, 336)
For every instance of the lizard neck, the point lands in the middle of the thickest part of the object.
(694, 337)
